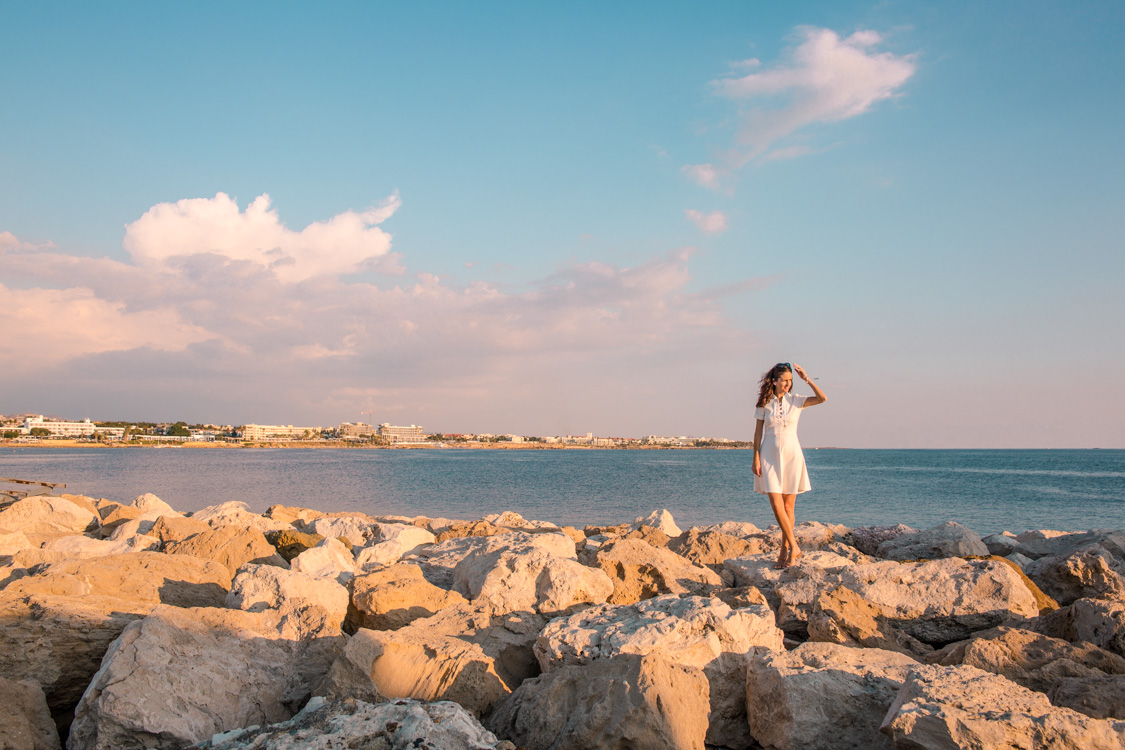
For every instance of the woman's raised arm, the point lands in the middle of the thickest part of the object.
(819, 398)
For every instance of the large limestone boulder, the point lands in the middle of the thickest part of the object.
(307, 606)
(823, 695)
(1099, 696)
(176, 528)
(628, 700)
(949, 539)
(181, 675)
(659, 519)
(841, 616)
(1037, 544)
(25, 720)
(237, 513)
(1030, 659)
(868, 538)
(792, 591)
(395, 541)
(149, 502)
(640, 571)
(358, 531)
(528, 572)
(965, 707)
(46, 516)
(741, 529)
(230, 546)
(1100, 622)
(694, 631)
(396, 596)
(940, 601)
(1002, 544)
(56, 626)
(713, 547)
(80, 546)
(330, 724)
(466, 655)
(512, 520)
(1091, 571)
(328, 559)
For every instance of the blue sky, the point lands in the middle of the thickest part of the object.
(507, 217)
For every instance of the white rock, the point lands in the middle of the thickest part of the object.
(400, 724)
(1100, 622)
(358, 531)
(329, 559)
(509, 573)
(512, 520)
(941, 601)
(78, 546)
(238, 513)
(45, 514)
(308, 606)
(624, 701)
(822, 695)
(740, 529)
(659, 519)
(1001, 544)
(462, 654)
(694, 631)
(949, 539)
(142, 524)
(964, 707)
(1091, 571)
(395, 541)
(150, 502)
(181, 675)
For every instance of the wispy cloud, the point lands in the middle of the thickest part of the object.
(823, 79)
(205, 312)
(714, 222)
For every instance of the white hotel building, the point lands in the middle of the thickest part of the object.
(277, 432)
(85, 428)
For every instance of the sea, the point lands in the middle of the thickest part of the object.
(987, 490)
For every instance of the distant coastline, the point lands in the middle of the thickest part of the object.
(351, 445)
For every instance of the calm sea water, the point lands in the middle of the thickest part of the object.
(988, 491)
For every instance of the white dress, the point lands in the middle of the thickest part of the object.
(783, 462)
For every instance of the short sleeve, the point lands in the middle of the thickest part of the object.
(760, 413)
(804, 400)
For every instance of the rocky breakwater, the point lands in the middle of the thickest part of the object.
(135, 626)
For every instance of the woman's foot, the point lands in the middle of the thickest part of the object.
(782, 559)
(794, 557)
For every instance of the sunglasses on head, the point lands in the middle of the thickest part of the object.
(783, 366)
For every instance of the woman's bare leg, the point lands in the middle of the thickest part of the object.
(790, 513)
(788, 541)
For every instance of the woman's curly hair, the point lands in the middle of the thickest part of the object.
(765, 385)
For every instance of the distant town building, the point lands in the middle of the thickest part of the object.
(402, 434)
(85, 428)
(356, 430)
(277, 432)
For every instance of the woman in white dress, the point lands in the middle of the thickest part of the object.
(779, 463)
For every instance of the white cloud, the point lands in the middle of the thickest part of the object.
(710, 223)
(824, 79)
(51, 326)
(346, 243)
(234, 340)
